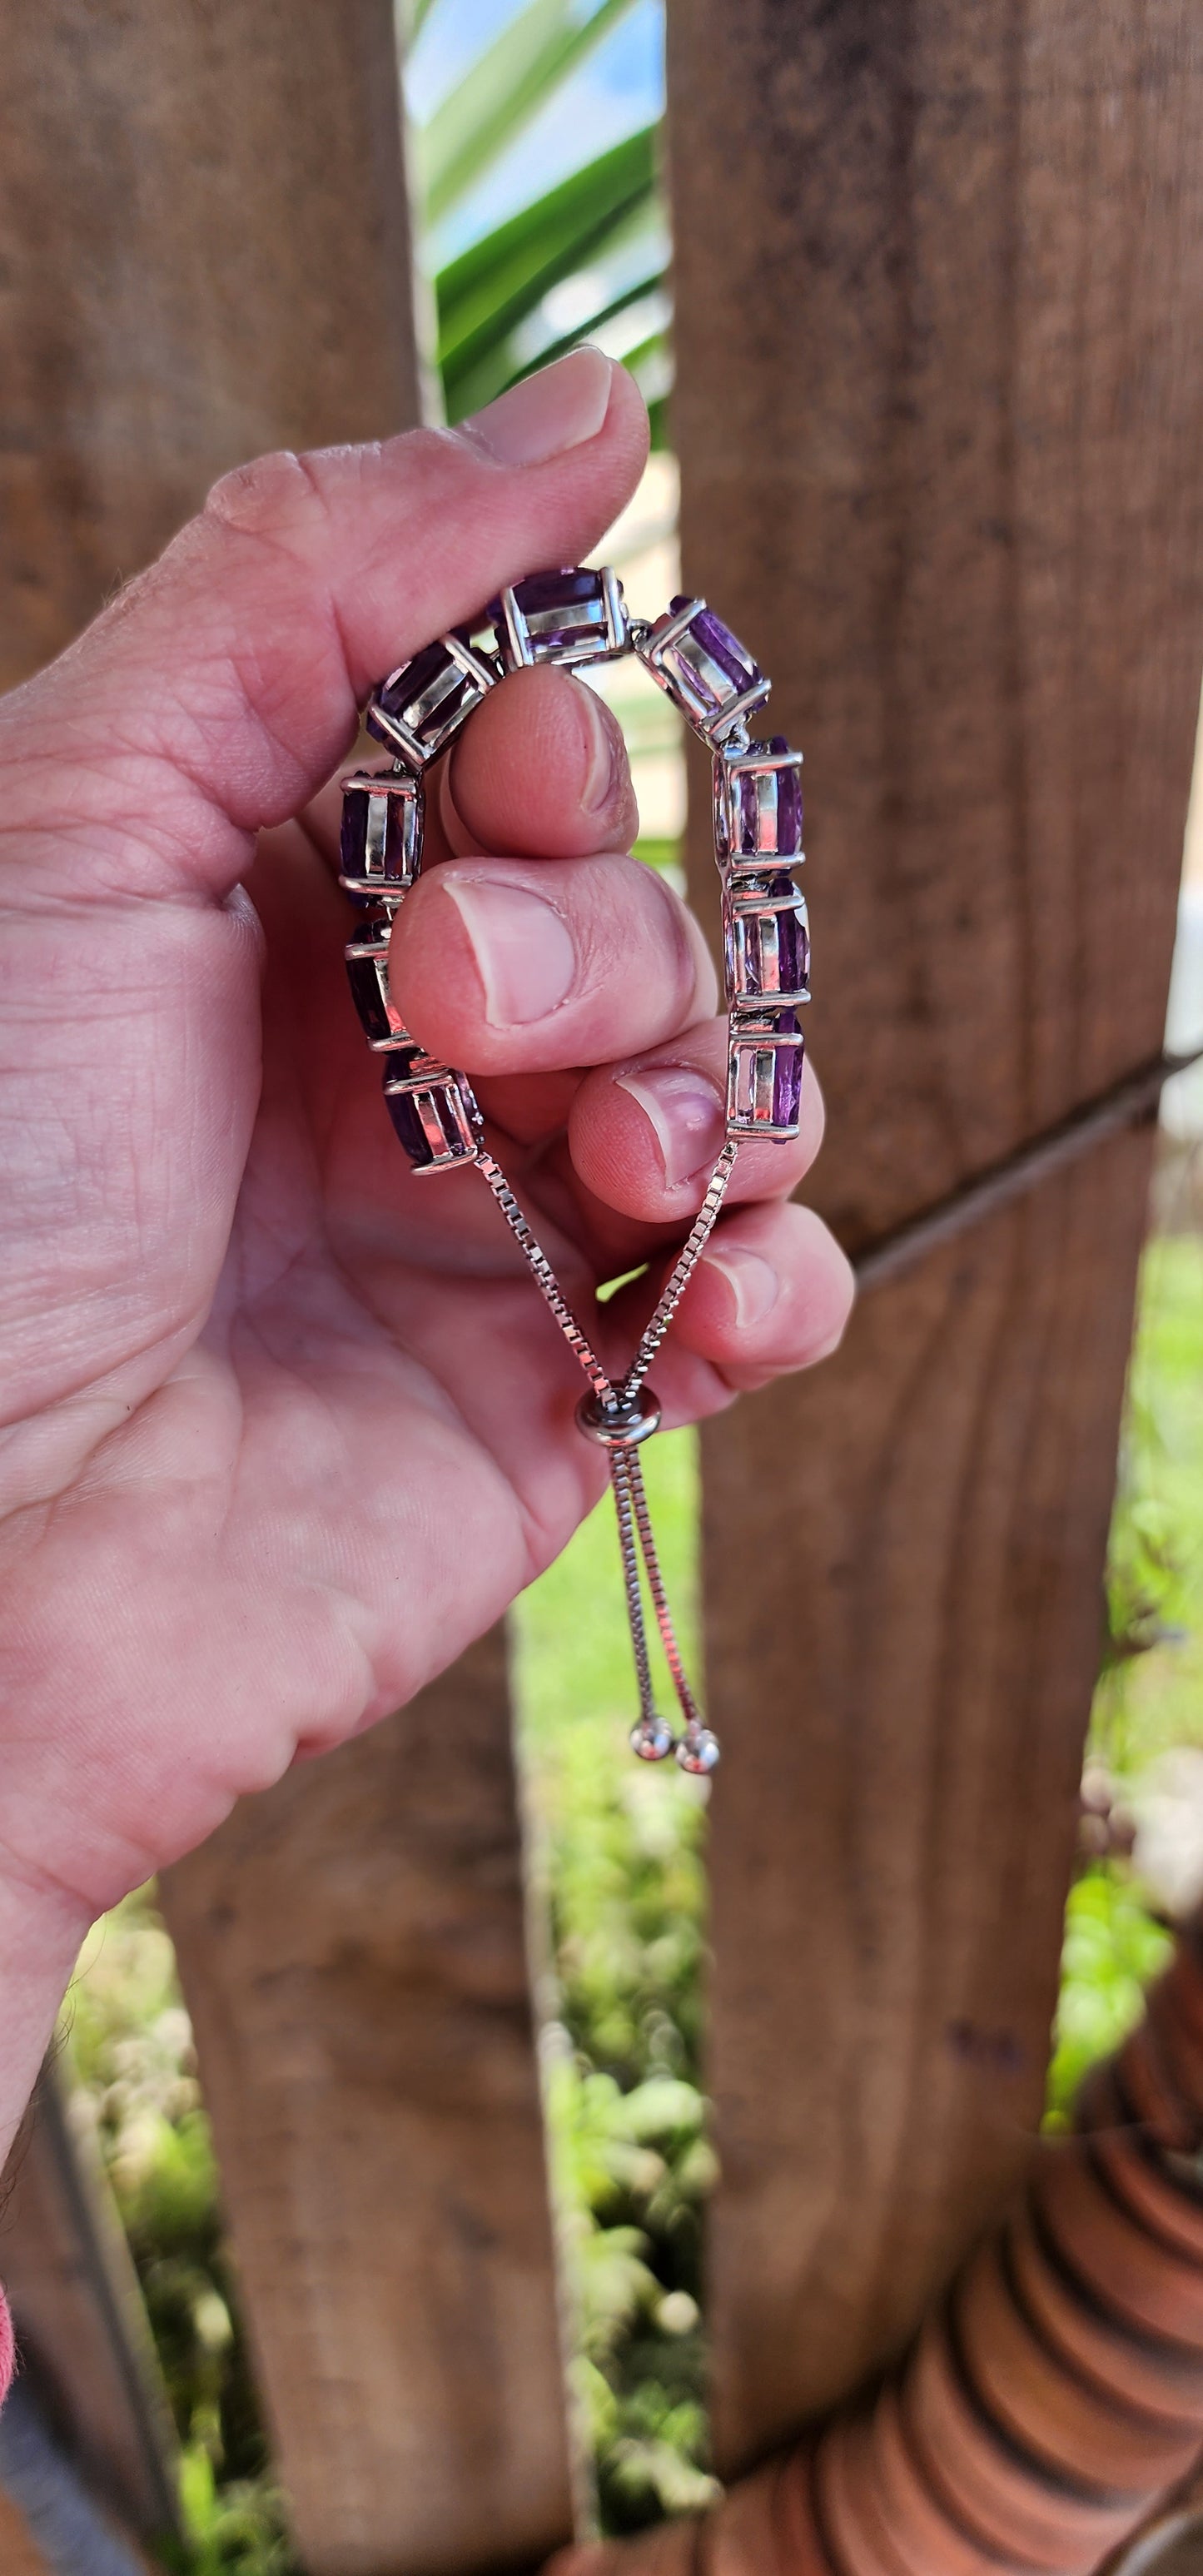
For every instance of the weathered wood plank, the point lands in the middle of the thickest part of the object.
(940, 395)
(204, 241)
(81, 2326)
(938, 417)
(351, 1947)
(903, 1696)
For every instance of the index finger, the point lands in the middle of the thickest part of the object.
(221, 688)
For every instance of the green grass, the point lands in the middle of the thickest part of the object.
(1150, 1691)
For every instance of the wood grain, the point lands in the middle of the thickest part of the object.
(81, 2326)
(938, 280)
(203, 254)
(939, 406)
(902, 1694)
(351, 1947)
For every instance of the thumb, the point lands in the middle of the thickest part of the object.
(221, 687)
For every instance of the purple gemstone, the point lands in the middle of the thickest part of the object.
(717, 640)
(429, 694)
(787, 1085)
(368, 979)
(767, 952)
(353, 839)
(403, 1110)
(564, 612)
(414, 678)
(793, 952)
(770, 807)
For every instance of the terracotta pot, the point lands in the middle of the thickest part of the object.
(765, 2527)
(926, 2532)
(1139, 2371)
(1131, 2271)
(1074, 2426)
(1147, 2186)
(997, 2491)
(849, 2509)
(1155, 2100)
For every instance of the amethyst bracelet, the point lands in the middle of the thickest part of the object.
(572, 617)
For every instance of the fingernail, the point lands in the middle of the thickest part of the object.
(546, 414)
(753, 1282)
(603, 755)
(524, 955)
(685, 1113)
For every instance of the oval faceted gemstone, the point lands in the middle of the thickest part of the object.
(758, 802)
(787, 1086)
(767, 945)
(704, 667)
(559, 616)
(764, 1080)
(380, 842)
(433, 1111)
(770, 806)
(402, 1108)
(367, 975)
(428, 698)
(720, 645)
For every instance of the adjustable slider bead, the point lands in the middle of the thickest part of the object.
(423, 703)
(757, 804)
(652, 1739)
(704, 668)
(615, 1425)
(574, 615)
(380, 844)
(698, 1751)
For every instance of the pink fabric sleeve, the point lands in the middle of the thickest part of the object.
(7, 2349)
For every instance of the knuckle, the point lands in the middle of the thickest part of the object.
(263, 498)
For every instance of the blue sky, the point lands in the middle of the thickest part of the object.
(619, 89)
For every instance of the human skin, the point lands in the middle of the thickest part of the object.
(284, 1427)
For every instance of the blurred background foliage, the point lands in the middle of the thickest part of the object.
(528, 244)
(518, 272)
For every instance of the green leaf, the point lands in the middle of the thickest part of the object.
(491, 287)
(591, 322)
(501, 93)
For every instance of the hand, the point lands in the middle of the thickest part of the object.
(287, 1426)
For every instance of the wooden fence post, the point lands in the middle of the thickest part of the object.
(82, 2331)
(204, 236)
(939, 412)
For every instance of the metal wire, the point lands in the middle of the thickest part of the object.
(635, 1532)
(621, 1463)
(682, 1272)
(545, 1277)
(664, 1619)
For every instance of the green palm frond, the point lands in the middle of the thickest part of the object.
(494, 285)
(529, 60)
